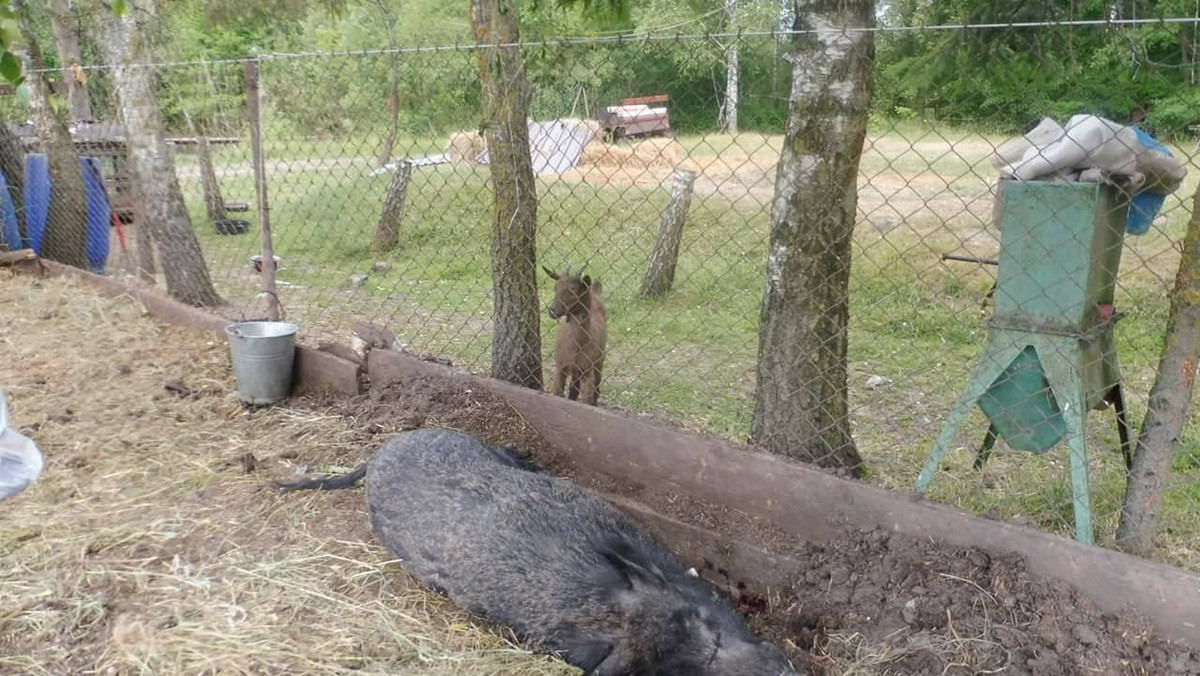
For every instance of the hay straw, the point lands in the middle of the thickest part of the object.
(145, 548)
(464, 147)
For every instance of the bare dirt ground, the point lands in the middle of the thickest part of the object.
(153, 543)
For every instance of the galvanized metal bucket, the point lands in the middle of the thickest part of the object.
(263, 354)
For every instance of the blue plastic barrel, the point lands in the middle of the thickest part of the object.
(99, 215)
(37, 199)
(10, 231)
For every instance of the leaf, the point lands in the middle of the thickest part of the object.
(119, 7)
(10, 32)
(10, 67)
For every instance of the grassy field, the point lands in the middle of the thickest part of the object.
(690, 356)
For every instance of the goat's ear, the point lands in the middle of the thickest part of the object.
(551, 273)
(587, 280)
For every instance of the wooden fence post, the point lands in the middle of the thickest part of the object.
(660, 273)
(254, 101)
(387, 233)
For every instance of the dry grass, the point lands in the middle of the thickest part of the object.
(147, 548)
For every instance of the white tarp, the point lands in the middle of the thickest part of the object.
(555, 146)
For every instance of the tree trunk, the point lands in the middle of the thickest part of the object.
(65, 236)
(66, 39)
(389, 143)
(801, 406)
(12, 165)
(389, 22)
(1166, 410)
(660, 272)
(143, 238)
(387, 232)
(214, 203)
(729, 110)
(787, 15)
(516, 333)
(162, 207)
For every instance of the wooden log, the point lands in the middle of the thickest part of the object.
(660, 273)
(387, 233)
(23, 262)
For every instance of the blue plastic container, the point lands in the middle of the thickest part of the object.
(37, 199)
(99, 215)
(10, 231)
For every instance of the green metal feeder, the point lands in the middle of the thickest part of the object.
(1050, 356)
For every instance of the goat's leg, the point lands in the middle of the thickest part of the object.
(595, 386)
(573, 388)
(560, 381)
(591, 387)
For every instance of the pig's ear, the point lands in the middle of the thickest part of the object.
(633, 568)
(588, 655)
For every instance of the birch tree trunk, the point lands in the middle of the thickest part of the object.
(389, 22)
(163, 210)
(66, 40)
(801, 406)
(65, 237)
(516, 333)
(1166, 411)
(729, 110)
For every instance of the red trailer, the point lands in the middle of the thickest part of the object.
(635, 117)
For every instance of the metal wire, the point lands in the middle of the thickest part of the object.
(400, 235)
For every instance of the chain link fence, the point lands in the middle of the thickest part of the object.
(380, 205)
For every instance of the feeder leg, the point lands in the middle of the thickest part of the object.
(1117, 397)
(1064, 370)
(989, 440)
(989, 367)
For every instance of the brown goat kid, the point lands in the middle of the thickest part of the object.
(582, 335)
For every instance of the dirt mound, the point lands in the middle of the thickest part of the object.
(869, 602)
(900, 606)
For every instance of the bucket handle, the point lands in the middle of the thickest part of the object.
(242, 318)
(282, 309)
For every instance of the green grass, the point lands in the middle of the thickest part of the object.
(690, 356)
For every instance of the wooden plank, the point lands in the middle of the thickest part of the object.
(645, 100)
(316, 370)
(814, 505)
(17, 256)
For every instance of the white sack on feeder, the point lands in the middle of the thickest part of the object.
(20, 459)
(1092, 148)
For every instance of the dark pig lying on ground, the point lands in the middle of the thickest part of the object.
(563, 568)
